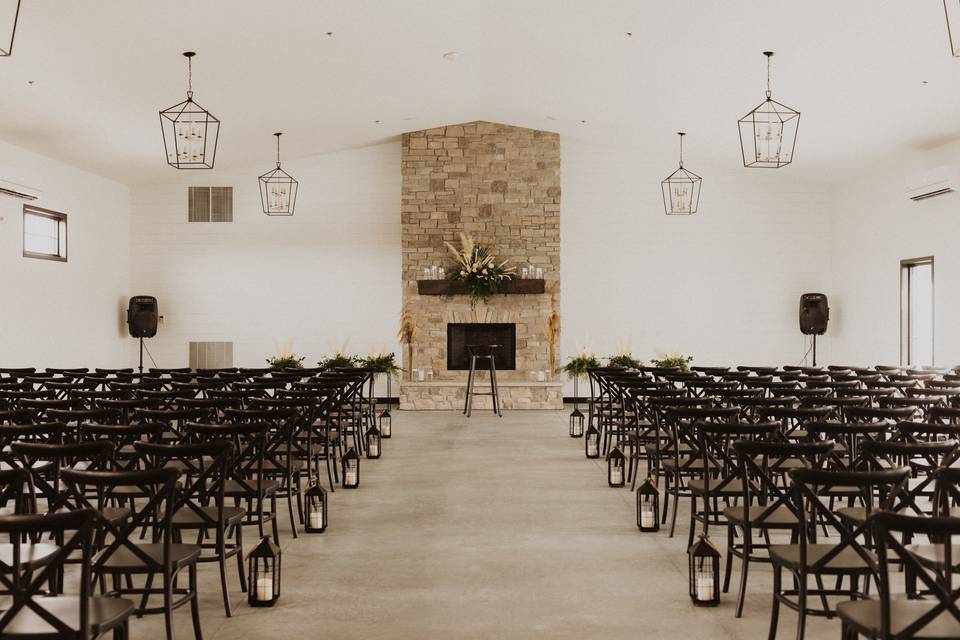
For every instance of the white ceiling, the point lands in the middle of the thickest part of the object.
(103, 68)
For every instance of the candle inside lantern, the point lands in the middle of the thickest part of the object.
(646, 515)
(704, 584)
(374, 447)
(264, 589)
(316, 520)
(351, 472)
(616, 474)
(592, 445)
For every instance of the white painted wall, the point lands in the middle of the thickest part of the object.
(327, 274)
(722, 285)
(875, 227)
(55, 314)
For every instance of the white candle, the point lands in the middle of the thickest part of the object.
(704, 584)
(592, 445)
(616, 475)
(385, 428)
(264, 589)
(541, 376)
(316, 519)
(646, 516)
(374, 448)
(421, 375)
(351, 473)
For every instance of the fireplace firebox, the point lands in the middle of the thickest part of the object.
(467, 334)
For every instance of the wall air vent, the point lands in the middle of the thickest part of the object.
(210, 204)
(935, 182)
(211, 355)
(20, 191)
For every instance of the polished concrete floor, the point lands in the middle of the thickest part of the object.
(483, 528)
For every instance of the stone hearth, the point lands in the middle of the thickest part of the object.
(501, 185)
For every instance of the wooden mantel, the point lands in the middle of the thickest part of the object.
(454, 288)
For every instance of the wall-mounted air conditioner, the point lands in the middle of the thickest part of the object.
(21, 191)
(937, 182)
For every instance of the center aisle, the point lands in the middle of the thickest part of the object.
(482, 528)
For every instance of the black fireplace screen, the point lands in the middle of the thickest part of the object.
(463, 335)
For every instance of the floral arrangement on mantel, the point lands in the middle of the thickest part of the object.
(475, 265)
(285, 358)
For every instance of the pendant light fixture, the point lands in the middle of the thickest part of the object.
(9, 12)
(190, 132)
(681, 189)
(278, 189)
(768, 134)
(952, 9)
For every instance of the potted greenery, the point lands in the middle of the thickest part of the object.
(289, 361)
(381, 363)
(673, 360)
(625, 360)
(577, 367)
(337, 361)
(285, 358)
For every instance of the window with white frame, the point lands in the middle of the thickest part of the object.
(916, 312)
(44, 234)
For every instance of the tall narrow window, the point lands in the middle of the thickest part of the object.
(916, 312)
(44, 234)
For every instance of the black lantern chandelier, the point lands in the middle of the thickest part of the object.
(9, 12)
(768, 134)
(278, 189)
(190, 132)
(952, 9)
(681, 189)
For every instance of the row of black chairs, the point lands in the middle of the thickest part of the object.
(767, 452)
(153, 460)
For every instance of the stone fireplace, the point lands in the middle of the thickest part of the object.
(501, 185)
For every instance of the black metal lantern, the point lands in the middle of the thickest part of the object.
(278, 189)
(616, 467)
(591, 444)
(190, 132)
(576, 416)
(768, 134)
(681, 189)
(385, 421)
(952, 9)
(648, 505)
(263, 571)
(351, 469)
(315, 509)
(576, 423)
(704, 573)
(373, 442)
(9, 12)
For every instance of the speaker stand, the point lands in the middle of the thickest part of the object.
(141, 355)
(814, 350)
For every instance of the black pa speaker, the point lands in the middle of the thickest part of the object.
(142, 316)
(814, 314)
